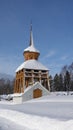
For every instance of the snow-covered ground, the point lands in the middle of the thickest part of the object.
(53, 112)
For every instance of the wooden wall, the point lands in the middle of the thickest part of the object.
(31, 55)
(19, 82)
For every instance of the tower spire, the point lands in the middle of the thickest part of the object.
(31, 36)
(31, 52)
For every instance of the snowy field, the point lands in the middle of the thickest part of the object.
(53, 112)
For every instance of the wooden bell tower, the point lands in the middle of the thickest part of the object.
(31, 70)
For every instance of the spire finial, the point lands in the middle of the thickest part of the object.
(31, 36)
(31, 26)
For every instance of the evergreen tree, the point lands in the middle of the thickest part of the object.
(61, 82)
(51, 83)
(56, 83)
(67, 82)
(71, 86)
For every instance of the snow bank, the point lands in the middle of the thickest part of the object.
(52, 112)
(9, 125)
(36, 122)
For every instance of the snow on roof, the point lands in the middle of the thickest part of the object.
(35, 84)
(27, 89)
(31, 64)
(31, 49)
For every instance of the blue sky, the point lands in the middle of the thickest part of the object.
(52, 22)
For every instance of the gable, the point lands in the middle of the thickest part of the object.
(37, 85)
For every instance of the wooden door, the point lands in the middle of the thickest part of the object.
(37, 93)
